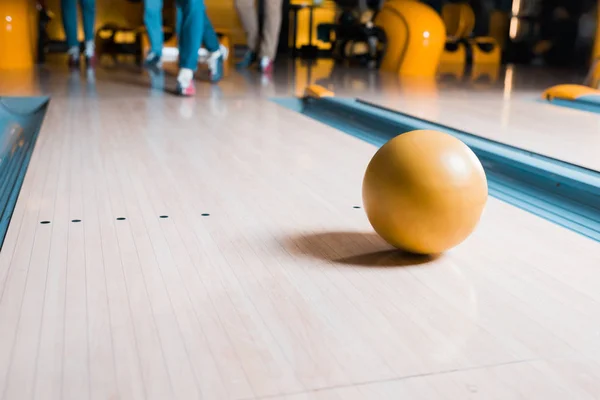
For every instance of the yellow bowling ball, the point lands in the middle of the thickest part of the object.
(424, 191)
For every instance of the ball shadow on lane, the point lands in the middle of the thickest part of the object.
(354, 249)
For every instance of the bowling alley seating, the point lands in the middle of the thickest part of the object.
(461, 46)
(116, 40)
(311, 24)
(459, 22)
(353, 36)
(415, 36)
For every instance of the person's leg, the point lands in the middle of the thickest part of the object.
(218, 52)
(191, 32)
(153, 21)
(88, 13)
(247, 13)
(210, 39)
(178, 21)
(270, 37)
(68, 10)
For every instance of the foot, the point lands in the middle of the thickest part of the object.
(215, 66)
(73, 54)
(248, 60)
(185, 83)
(266, 65)
(90, 54)
(186, 90)
(73, 61)
(204, 55)
(224, 52)
(152, 60)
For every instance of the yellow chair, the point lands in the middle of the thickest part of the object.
(324, 14)
(485, 50)
(18, 34)
(455, 53)
(459, 22)
(415, 38)
(451, 71)
(484, 76)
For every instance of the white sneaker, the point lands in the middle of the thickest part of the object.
(215, 65)
(266, 65)
(152, 60)
(204, 55)
(185, 83)
(224, 52)
(73, 56)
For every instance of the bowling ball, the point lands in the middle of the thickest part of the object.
(424, 191)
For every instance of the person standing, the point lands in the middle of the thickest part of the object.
(69, 20)
(193, 28)
(262, 46)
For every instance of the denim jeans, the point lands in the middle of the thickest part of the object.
(193, 29)
(69, 18)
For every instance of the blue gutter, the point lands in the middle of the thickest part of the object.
(563, 193)
(20, 122)
(581, 104)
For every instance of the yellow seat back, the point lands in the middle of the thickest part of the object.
(415, 37)
(459, 19)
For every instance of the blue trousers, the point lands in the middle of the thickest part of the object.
(69, 18)
(193, 29)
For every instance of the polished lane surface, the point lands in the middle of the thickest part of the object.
(262, 279)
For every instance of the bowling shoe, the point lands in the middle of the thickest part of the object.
(73, 62)
(186, 90)
(152, 60)
(266, 65)
(185, 83)
(73, 54)
(248, 59)
(215, 65)
(90, 54)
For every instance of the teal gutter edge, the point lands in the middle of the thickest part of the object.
(563, 193)
(20, 123)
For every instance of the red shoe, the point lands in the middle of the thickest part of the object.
(266, 65)
(186, 91)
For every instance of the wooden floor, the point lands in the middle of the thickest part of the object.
(264, 280)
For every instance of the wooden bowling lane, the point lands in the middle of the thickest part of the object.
(263, 280)
(515, 117)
